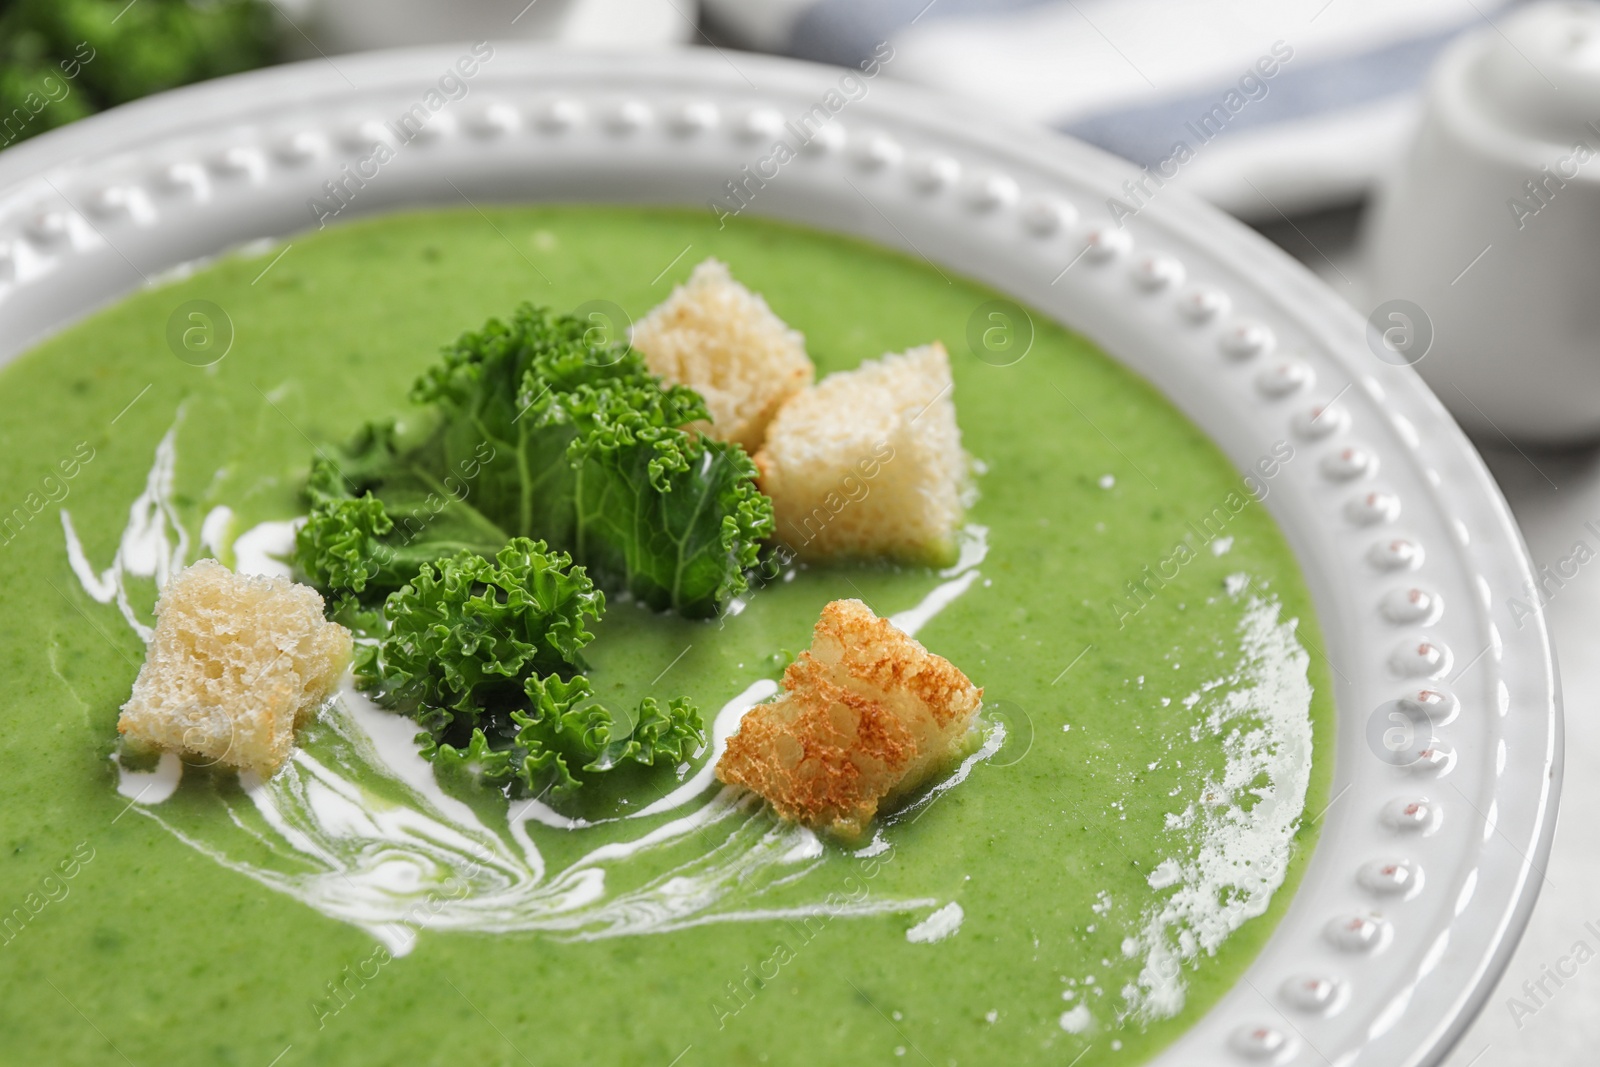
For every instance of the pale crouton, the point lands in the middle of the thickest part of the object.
(869, 462)
(866, 714)
(720, 339)
(236, 664)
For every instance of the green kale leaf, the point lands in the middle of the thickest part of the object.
(381, 509)
(588, 453)
(533, 429)
(484, 655)
(466, 633)
(422, 531)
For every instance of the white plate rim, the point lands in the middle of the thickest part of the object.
(191, 173)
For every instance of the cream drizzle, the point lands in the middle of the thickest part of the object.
(215, 529)
(151, 787)
(154, 543)
(263, 548)
(945, 922)
(974, 548)
(1235, 837)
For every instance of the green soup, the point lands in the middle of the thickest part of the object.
(1087, 882)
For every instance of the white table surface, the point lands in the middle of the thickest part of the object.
(1552, 495)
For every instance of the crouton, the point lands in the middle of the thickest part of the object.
(236, 664)
(866, 714)
(869, 463)
(720, 339)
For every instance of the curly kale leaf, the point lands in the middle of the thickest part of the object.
(665, 736)
(484, 653)
(380, 509)
(532, 428)
(673, 517)
(477, 764)
(589, 454)
(341, 546)
(565, 730)
(466, 634)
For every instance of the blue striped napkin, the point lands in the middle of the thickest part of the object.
(1262, 106)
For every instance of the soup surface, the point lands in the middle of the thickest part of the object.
(1105, 863)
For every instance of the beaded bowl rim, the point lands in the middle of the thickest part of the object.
(1373, 963)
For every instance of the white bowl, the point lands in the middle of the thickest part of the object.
(1245, 341)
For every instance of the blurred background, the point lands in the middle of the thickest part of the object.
(1430, 160)
(1126, 75)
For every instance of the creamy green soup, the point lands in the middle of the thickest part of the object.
(1131, 822)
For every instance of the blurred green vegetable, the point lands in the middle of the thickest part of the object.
(63, 59)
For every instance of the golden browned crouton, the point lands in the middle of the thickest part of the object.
(869, 462)
(236, 664)
(720, 339)
(866, 714)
